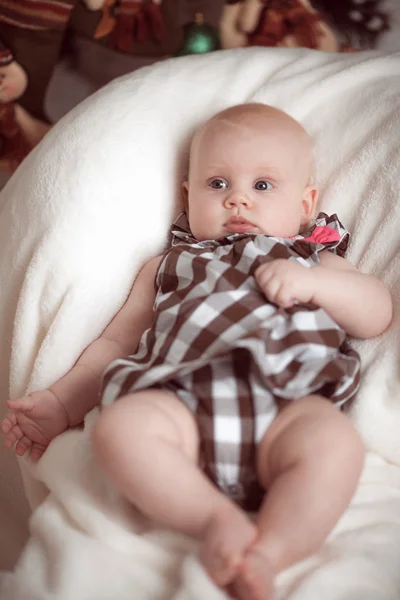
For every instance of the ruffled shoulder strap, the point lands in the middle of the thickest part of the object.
(180, 231)
(327, 233)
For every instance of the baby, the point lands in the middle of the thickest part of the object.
(237, 362)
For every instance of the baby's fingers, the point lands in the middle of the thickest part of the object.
(263, 275)
(12, 436)
(23, 404)
(272, 289)
(36, 452)
(264, 271)
(284, 297)
(23, 445)
(8, 422)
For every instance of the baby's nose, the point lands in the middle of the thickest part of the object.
(238, 198)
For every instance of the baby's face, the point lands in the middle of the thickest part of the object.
(249, 176)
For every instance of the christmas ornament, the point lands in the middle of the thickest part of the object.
(199, 37)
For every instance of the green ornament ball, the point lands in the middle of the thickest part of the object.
(199, 38)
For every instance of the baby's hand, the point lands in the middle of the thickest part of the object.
(284, 281)
(32, 422)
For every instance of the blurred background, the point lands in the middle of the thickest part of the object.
(55, 53)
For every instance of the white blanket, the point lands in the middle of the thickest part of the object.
(91, 204)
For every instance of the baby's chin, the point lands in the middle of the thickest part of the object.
(214, 234)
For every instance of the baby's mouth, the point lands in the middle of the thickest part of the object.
(238, 225)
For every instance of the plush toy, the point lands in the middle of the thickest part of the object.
(285, 23)
(33, 33)
(135, 21)
(19, 132)
(13, 79)
(22, 121)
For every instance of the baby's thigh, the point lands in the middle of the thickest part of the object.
(304, 430)
(149, 416)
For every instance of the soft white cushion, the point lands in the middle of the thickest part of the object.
(95, 199)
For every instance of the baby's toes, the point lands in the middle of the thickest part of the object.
(227, 539)
(23, 445)
(256, 579)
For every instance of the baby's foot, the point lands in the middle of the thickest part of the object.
(229, 535)
(255, 578)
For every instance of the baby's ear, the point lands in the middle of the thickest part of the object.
(185, 194)
(308, 203)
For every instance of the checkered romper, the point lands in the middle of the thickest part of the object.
(228, 353)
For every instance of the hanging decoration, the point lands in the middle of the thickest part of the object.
(199, 37)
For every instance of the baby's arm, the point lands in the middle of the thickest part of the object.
(359, 303)
(32, 422)
(78, 390)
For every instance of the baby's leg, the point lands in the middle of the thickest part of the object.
(147, 443)
(310, 461)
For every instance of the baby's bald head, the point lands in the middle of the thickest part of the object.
(254, 160)
(261, 118)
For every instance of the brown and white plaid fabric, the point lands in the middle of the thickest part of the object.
(228, 353)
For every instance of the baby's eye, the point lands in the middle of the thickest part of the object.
(262, 185)
(218, 184)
